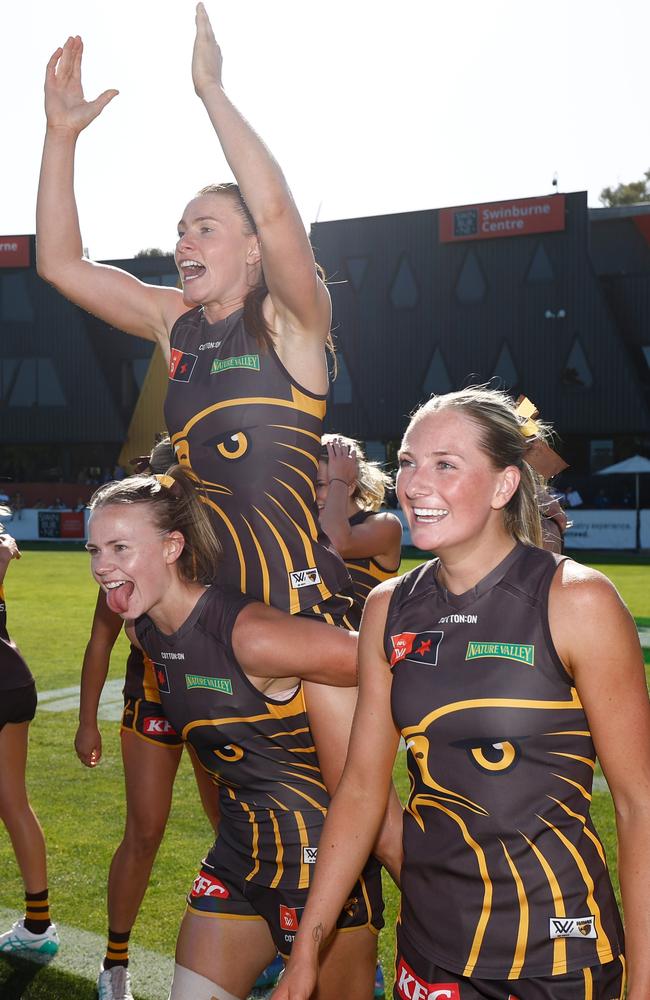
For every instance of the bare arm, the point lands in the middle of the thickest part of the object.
(115, 296)
(104, 631)
(273, 644)
(300, 301)
(597, 640)
(8, 550)
(331, 712)
(363, 791)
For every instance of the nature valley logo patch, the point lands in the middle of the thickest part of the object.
(223, 684)
(251, 361)
(501, 651)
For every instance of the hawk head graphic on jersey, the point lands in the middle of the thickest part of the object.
(256, 460)
(495, 805)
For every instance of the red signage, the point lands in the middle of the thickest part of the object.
(72, 524)
(14, 251)
(502, 218)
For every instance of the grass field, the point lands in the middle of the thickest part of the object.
(50, 599)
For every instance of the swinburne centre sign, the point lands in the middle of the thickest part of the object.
(14, 251)
(502, 218)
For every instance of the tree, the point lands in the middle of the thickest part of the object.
(633, 193)
(154, 252)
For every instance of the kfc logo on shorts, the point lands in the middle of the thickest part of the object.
(158, 726)
(411, 987)
(289, 917)
(309, 855)
(208, 885)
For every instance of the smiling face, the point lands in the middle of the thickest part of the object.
(130, 559)
(218, 262)
(447, 485)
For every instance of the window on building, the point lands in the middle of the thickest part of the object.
(505, 367)
(576, 371)
(356, 268)
(540, 268)
(16, 304)
(436, 381)
(404, 289)
(471, 285)
(30, 382)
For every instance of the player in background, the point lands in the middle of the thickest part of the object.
(350, 491)
(34, 936)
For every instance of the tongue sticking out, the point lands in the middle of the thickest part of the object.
(118, 598)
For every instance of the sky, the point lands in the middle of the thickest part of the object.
(370, 107)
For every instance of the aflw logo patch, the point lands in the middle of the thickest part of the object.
(309, 855)
(576, 927)
(223, 684)
(289, 918)
(251, 361)
(419, 647)
(181, 365)
(501, 651)
(304, 578)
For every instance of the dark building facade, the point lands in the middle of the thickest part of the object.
(555, 305)
(549, 297)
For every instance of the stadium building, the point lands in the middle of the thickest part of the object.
(544, 294)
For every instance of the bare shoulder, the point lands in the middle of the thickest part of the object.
(581, 588)
(376, 606)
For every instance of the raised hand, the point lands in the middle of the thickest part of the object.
(342, 461)
(65, 105)
(206, 57)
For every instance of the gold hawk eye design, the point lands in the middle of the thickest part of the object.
(231, 753)
(497, 758)
(233, 446)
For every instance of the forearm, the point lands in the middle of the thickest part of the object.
(388, 847)
(334, 516)
(57, 222)
(634, 875)
(93, 677)
(258, 174)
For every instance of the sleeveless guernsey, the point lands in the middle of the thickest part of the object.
(504, 876)
(140, 679)
(251, 436)
(364, 573)
(14, 672)
(259, 751)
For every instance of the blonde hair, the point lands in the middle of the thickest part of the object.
(371, 483)
(174, 507)
(502, 439)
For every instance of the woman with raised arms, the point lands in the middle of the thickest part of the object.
(507, 669)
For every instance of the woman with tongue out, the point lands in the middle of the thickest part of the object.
(506, 669)
(229, 688)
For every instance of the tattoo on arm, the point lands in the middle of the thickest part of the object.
(317, 933)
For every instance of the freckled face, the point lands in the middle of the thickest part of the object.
(128, 558)
(446, 484)
(213, 254)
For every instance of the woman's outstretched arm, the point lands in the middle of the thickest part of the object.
(115, 296)
(300, 302)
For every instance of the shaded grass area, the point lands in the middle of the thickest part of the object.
(50, 599)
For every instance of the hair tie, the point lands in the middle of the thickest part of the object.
(539, 455)
(167, 481)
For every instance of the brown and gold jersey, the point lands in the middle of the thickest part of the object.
(364, 573)
(504, 875)
(258, 750)
(14, 672)
(252, 437)
(140, 679)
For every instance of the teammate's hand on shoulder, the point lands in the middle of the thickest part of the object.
(206, 56)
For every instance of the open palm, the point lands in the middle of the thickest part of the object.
(65, 105)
